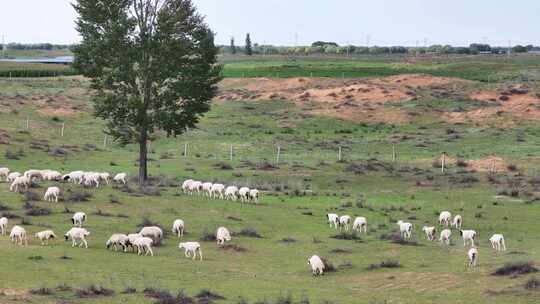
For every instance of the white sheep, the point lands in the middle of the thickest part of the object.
(116, 240)
(317, 265)
(153, 232)
(457, 222)
(51, 175)
(78, 218)
(18, 235)
(51, 195)
(74, 177)
(468, 236)
(4, 173)
(430, 232)
(405, 229)
(244, 194)
(121, 178)
(77, 234)
(332, 220)
(185, 185)
(207, 189)
(144, 244)
(445, 236)
(497, 242)
(473, 257)
(90, 179)
(444, 218)
(217, 191)
(191, 248)
(45, 236)
(231, 193)
(12, 176)
(131, 239)
(344, 222)
(31, 174)
(21, 182)
(104, 176)
(359, 224)
(178, 227)
(254, 195)
(195, 187)
(3, 225)
(223, 235)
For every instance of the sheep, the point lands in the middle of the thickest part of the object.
(52, 194)
(217, 191)
(90, 179)
(444, 218)
(12, 176)
(222, 235)
(185, 185)
(4, 172)
(497, 242)
(191, 248)
(144, 244)
(195, 186)
(457, 222)
(19, 182)
(332, 220)
(430, 232)
(231, 193)
(359, 224)
(178, 227)
(77, 234)
(244, 194)
(120, 178)
(18, 235)
(468, 236)
(254, 195)
(3, 225)
(78, 218)
(445, 236)
(131, 239)
(31, 174)
(45, 236)
(317, 265)
(74, 177)
(207, 189)
(344, 222)
(153, 232)
(104, 176)
(51, 175)
(118, 239)
(405, 229)
(473, 257)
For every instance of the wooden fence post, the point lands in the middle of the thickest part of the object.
(339, 154)
(278, 155)
(27, 122)
(443, 162)
(105, 142)
(394, 156)
(231, 153)
(63, 127)
(185, 150)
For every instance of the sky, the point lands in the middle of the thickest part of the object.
(300, 22)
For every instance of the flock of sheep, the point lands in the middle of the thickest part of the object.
(220, 191)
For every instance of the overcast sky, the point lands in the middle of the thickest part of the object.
(286, 22)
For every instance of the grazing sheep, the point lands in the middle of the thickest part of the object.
(244, 194)
(31, 174)
(120, 178)
(12, 176)
(21, 182)
(430, 232)
(217, 191)
(207, 189)
(497, 242)
(405, 229)
(191, 248)
(344, 222)
(332, 220)
(231, 193)
(104, 176)
(45, 236)
(254, 195)
(90, 179)
(144, 244)
(223, 235)
(444, 218)
(457, 222)
(153, 232)
(178, 227)
(3, 225)
(445, 236)
(468, 236)
(18, 235)
(131, 239)
(359, 224)
(317, 265)
(74, 177)
(473, 257)
(116, 240)
(51, 175)
(51, 195)
(4, 173)
(195, 187)
(77, 234)
(185, 185)
(78, 218)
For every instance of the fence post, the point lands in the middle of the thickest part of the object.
(63, 127)
(394, 153)
(443, 162)
(339, 154)
(492, 169)
(27, 122)
(278, 154)
(185, 150)
(105, 141)
(231, 153)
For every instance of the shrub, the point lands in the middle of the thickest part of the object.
(206, 296)
(532, 283)
(129, 290)
(38, 211)
(63, 287)
(4, 207)
(223, 166)
(233, 218)
(30, 196)
(516, 268)
(113, 199)
(385, 264)
(43, 291)
(340, 250)
(351, 236)
(94, 291)
(79, 196)
(288, 240)
(208, 236)
(328, 265)
(249, 232)
(13, 155)
(10, 215)
(35, 258)
(100, 212)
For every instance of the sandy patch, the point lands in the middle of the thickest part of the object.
(488, 164)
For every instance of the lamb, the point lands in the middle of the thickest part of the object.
(77, 234)
(344, 222)
(217, 191)
(18, 235)
(117, 240)
(430, 232)
(222, 235)
(444, 218)
(333, 220)
(3, 225)
(468, 236)
(74, 177)
(254, 195)
(191, 248)
(144, 244)
(12, 176)
(359, 224)
(231, 193)
(497, 242)
(120, 178)
(458, 221)
(153, 232)
(21, 182)
(195, 186)
(4, 172)
(405, 229)
(473, 257)
(178, 227)
(317, 265)
(244, 194)
(45, 236)
(185, 185)
(51, 195)
(207, 189)
(445, 236)
(78, 218)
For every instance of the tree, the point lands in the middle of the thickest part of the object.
(233, 47)
(249, 49)
(519, 49)
(152, 65)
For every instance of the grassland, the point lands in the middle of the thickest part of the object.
(297, 193)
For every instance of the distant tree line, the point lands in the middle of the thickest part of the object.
(36, 46)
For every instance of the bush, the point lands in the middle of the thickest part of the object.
(223, 166)
(351, 236)
(43, 291)
(63, 287)
(328, 265)
(4, 207)
(38, 211)
(208, 236)
(385, 264)
(249, 232)
(14, 155)
(129, 290)
(10, 215)
(517, 268)
(94, 291)
(79, 196)
(206, 296)
(532, 284)
(30, 196)
(288, 240)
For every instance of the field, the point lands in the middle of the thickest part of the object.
(391, 130)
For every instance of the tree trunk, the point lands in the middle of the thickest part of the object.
(143, 170)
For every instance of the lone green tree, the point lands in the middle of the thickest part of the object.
(152, 65)
(233, 46)
(249, 48)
